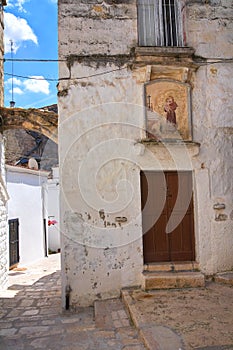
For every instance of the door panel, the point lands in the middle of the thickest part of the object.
(168, 231)
(154, 211)
(13, 241)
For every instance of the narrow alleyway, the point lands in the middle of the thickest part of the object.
(31, 316)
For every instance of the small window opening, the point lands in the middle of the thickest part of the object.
(160, 23)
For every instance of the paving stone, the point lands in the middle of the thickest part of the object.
(220, 347)
(33, 329)
(33, 318)
(30, 312)
(14, 313)
(134, 347)
(48, 322)
(110, 314)
(8, 331)
(5, 325)
(159, 337)
(25, 302)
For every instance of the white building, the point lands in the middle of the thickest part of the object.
(145, 115)
(27, 214)
(4, 259)
(53, 187)
(3, 193)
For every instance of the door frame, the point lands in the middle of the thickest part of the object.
(190, 171)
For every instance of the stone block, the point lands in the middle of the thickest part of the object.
(226, 278)
(158, 267)
(170, 280)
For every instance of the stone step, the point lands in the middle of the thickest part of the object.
(224, 277)
(172, 280)
(172, 266)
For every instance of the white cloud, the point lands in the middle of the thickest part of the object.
(37, 85)
(16, 81)
(17, 4)
(17, 91)
(18, 30)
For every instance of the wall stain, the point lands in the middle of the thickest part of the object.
(102, 214)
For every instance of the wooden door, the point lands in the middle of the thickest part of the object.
(167, 216)
(14, 241)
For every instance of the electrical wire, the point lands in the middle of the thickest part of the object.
(201, 62)
(217, 59)
(31, 60)
(69, 78)
(27, 77)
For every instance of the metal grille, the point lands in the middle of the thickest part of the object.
(160, 23)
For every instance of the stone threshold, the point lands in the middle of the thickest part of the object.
(172, 266)
(224, 277)
(172, 280)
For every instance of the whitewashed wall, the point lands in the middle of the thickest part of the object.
(4, 254)
(101, 121)
(54, 243)
(26, 203)
(4, 260)
(210, 32)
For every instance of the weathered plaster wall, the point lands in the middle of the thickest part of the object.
(4, 261)
(101, 120)
(113, 19)
(210, 33)
(100, 182)
(1, 56)
(100, 254)
(54, 243)
(209, 27)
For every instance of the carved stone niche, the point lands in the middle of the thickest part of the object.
(168, 110)
(166, 74)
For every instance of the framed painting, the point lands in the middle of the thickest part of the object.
(168, 110)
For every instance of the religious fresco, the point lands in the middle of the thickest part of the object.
(168, 110)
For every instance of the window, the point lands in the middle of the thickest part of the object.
(160, 23)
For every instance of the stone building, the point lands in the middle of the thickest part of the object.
(3, 192)
(145, 140)
(21, 144)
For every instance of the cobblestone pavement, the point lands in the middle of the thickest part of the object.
(198, 318)
(31, 316)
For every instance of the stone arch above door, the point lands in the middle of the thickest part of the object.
(39, 120)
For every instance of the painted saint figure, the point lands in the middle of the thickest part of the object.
(170, 108)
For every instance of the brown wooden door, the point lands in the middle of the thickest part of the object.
(167, 216)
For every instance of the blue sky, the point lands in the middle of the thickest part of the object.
(32, 26)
